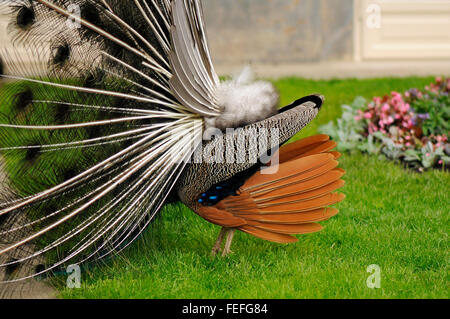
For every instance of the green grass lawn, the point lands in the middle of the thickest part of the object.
(391, 217)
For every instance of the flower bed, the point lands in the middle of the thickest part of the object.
(412, 127)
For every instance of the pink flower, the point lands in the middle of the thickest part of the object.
(397, 99)
(441, 162)
(427, 154)
(405, 108)
(390, 120)
(357, 118)
(396, 95)
(372, 128)
(408, 144)
(367, 115)
(385, 107)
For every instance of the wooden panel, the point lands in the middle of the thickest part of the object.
(414, 29)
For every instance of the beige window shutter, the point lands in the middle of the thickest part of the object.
(403, 29)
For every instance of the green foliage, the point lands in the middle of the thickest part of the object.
(417, 135)
(348, 131)
(437, 106)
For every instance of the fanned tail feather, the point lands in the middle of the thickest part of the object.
(92, 133)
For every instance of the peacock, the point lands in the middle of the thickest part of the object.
(110, 109)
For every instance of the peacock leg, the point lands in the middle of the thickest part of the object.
(219, 241)
(227, 248)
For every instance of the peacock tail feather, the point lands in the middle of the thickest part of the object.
(91, 129)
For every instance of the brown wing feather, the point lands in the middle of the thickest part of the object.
(290, 151)
(317, 175)
(287, 229)
(287, 170)
(317, 215)
(269, 236)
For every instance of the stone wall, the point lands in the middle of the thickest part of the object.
(280, 31)
(273, 31)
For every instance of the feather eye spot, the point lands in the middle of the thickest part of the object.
(90, 13)
(61, 113)
(120, 102)
(69, 174)
(39, 269)
(62, 54)
(32, 153)
(127, 143)
(11, 268)
(24, 99)
(25, 17)
(3, 219)
(91, 82)
(94, 131)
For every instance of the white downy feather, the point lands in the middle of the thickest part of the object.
(244, 101)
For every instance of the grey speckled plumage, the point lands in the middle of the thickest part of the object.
(198, 178)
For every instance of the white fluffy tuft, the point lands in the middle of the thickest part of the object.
(244, 101)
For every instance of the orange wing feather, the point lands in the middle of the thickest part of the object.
(290, 202)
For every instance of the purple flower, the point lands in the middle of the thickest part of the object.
(423, 116)
(414, 93)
